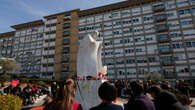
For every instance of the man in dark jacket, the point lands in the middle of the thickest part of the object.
(108, 93)
(165, 100)
(139, 101)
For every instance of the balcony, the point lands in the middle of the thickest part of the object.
(160, 18)
(66, 33)
(159, 7)
(65, 59)
(66, 42)
(67, 17)
(66, 25)
(66, 50)
(166, 62)
(163, 38)
(161, 27)
(165, 49)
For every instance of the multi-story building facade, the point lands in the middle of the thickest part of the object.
(145, 36)
(6, 44)
(28, 48)
(63, 29)
(139, 37)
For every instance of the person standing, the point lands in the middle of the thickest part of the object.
(53, 89)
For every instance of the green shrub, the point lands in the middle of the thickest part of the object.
(10, 102)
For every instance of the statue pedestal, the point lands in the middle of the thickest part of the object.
(87, 93)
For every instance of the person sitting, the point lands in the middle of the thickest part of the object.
(108, 93)
(138, 100)
(65, 98)
(164, 100)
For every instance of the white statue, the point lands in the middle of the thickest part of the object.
(89, 61)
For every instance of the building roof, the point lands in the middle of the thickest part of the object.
(54, 15)
(7, 34)
(114, 6)
(28, 24)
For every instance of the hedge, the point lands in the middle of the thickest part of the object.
(10, 102)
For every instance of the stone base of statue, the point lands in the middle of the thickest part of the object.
(87, 93)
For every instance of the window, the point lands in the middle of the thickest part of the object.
(50, 25)
(171, 14)
(108, 24)
(175, 34)
(148, 18)
(125, 13)
(170, 4)
(127, 31)
(137, 20)
(82, 29)
(186, 22)
(98, 18)
(149, 28)
(116, 41)
(126, 21)
(138, 30)
(191, 55)
(193, 10)
(190, 44)
(117, 23)
(185, 11)
(66, 50)
(116, 14)
(66, 41)
(108, 42)
(117, 32)
(90, 28)
(127, 40)
(178, 45)
(82, 21)
(118, 51)
(107, 33)
(65, 58)
(108, 52)
(141, 60)
(129, 50)
(50, 32)
(190, 32)
(130, 61)
(136, 11)
(90, 20)
(181, 3)
(179, 56)
(139, 39)
(107, 16)
(173, 24)
(147, 9)
(109, 62)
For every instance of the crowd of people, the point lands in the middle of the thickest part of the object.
(141, 95)
(29, 93)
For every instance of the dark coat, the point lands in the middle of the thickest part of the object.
(141, 102)
(167, 101)
(107, 106)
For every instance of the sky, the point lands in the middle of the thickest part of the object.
(14, 12)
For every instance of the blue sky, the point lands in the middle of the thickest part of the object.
(14, 12)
